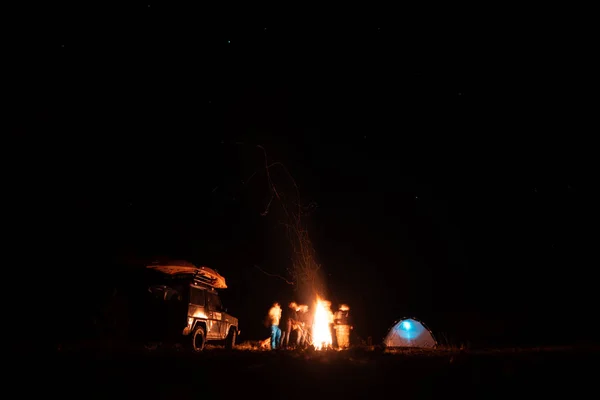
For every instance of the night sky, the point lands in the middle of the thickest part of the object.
(448, 165)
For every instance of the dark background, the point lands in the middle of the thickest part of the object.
(449, 159)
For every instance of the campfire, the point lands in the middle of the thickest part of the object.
(321, 330)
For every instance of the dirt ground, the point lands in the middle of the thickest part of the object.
(355, 373)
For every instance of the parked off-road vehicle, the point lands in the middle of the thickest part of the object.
(183, 305)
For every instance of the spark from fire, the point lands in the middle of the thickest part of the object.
(321, 331)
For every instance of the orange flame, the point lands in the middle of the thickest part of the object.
(321, 331)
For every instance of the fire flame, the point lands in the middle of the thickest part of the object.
(321, 331)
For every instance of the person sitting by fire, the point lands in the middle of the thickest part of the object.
(293, 324)
(342, 327)
(274, 318)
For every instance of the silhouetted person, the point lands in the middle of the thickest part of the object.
(305, 318)
(291, 321)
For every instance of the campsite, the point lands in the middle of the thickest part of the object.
(378, 208)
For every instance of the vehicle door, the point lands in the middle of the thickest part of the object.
(215, 316)
(197, 310)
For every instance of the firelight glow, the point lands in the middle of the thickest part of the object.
(321, 331)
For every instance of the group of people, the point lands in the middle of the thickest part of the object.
(297, 322)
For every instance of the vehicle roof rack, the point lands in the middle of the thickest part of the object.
(200, 275)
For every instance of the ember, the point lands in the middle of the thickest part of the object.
(321, 331)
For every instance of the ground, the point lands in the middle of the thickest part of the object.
(355, 373)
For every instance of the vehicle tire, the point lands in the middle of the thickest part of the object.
(198, 339)
(230, 341)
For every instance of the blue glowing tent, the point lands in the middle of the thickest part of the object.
(409, 332)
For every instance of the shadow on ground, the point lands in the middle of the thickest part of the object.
(356, 373)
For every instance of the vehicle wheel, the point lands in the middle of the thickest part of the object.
(199, 339)
(230, 341)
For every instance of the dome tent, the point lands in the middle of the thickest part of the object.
(409, 332)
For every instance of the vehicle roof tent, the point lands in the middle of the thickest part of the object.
(409, 332)
(202, 275)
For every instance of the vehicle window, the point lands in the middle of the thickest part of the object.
(173, 295)
(165, 293)
(197, 297)
(214, 302)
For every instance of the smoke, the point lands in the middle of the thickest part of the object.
(305, 272)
